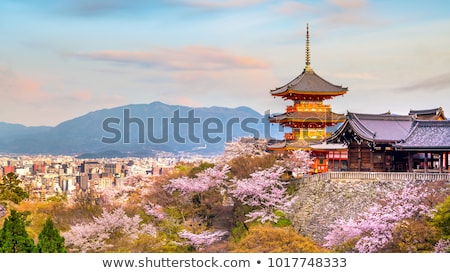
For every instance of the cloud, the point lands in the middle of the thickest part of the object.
(332, 13)
(294, 8)
(186, 101)
(350, 12)
(436, 83)
(32, 101)
(357, 76)
(20, 88)
(82, 96)
(187, 58)
(220, 4)
(101, 7)
(349, 4)
(132, 7)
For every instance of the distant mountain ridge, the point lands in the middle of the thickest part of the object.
(120, 131)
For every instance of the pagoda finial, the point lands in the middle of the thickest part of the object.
(308, 61)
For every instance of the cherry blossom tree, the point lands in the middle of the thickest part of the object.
(265, 193)
(299, 162)
(210, 178)
(154, 210)
(92, 236)
(243, 146)
(374, 227)
(442, 246)
(116, 195)
(86, 238)
(202, 240)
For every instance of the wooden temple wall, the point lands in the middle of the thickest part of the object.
(361, 158)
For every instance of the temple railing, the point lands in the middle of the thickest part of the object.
(380, 176)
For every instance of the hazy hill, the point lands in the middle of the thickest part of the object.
(105, 131)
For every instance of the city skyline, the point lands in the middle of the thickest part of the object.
(62, 59)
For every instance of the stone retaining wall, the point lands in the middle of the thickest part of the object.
(320, 203)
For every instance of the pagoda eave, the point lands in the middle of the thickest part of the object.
(308, 124)
(308, 95)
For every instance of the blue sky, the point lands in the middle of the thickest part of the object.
(60, 59)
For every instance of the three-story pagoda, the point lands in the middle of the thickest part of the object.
(308, 116)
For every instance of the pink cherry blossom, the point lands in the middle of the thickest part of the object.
(92, 236)
(203, 239)
(265, 192)
(209, 178)
(154, 210)
(374, 226)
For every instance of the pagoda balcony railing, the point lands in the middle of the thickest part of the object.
(289, 136)
(377, 176)
(309, 107)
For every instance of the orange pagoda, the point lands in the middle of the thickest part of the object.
(308, 116)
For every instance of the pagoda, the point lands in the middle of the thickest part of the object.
(307, 116)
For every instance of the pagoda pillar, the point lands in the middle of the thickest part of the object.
(410, 162)
(446, 160)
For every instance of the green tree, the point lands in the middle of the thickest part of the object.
(269, 239)
(441, 218)
(10, 188)
(50, 241)
(13, 236)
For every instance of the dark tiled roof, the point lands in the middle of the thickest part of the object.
(428, 114)
(279, 145)
(298, 144)
(427, 135)
(309, 82)
(384, 128)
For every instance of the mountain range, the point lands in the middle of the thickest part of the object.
(138, 130)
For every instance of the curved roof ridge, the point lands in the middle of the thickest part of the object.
(437, 123)
(309, 82)
(384, 116)
(426, 111)
(414, 125)
(289, 84)
(363, 130)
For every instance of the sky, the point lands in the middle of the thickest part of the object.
(60, 59)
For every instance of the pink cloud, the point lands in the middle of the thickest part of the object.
(20, 87)
(186, 101)
(436, 83)
(333, 13)
(349, 4)
(292, 7)
(222, 3)
(82, 95)
(187, 58)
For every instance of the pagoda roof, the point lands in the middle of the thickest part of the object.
(380, 128)
(312, 116)
(428, 114)
(426, 135)
(298, 144)
(329, 146)
(292, 145)
(309, 83)
(276, 146)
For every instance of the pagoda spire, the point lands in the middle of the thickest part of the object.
(308, 57)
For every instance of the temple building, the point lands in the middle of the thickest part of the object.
(419, 141)
(308, 117)
(416, 142)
